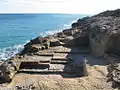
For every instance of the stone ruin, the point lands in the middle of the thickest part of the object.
(101, 33)
(55, 59)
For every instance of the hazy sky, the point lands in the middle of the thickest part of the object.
(58, 6)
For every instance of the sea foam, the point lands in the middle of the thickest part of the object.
(69, 24)
(15, 27)
(8, 52)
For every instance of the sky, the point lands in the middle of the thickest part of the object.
(58, 6)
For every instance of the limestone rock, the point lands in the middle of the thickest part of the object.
(68, 41)
(74, 25)
(31, 49)
(7, 70)
(68, 32)
(55, 42)
(82, 39)
(104, 32)
(98, 39)
(114, 74)
(35, 45)
(100, 32)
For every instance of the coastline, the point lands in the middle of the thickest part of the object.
(76, 58)
(7, 53)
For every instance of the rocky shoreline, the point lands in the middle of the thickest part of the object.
(101, 31)
(95, 38)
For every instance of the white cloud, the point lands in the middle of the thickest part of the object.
(57, 6)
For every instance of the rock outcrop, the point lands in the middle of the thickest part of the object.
(7, 70)
(36, 44)
(101, 33)
(114, 74)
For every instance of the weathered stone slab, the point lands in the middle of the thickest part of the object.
(44, 54)
(56, 67)
(36, 59)
(40, 71)
(60, 56)
(58, 62)
(62, 49)
(71, 50)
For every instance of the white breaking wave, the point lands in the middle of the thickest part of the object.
(50, 32)
(8, 52)
(74, 21)
(69, 25)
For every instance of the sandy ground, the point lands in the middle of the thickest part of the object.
(95, 81)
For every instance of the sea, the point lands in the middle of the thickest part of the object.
(18, 29)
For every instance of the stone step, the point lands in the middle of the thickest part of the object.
(73, 52)
(60, 56)
(44, 62)
(76, 49)
(36, 58)
(32, 65)
(44, 54)
(58, 62)
(56, 67)
(35, 61)
(39, 62)
(40, 71)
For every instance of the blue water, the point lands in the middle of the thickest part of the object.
(17, 29)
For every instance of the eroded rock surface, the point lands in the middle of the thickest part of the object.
(64, 51)
(103, 31)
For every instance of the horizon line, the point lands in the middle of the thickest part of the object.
(43, 13)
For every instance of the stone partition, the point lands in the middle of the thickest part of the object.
(97, 40)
